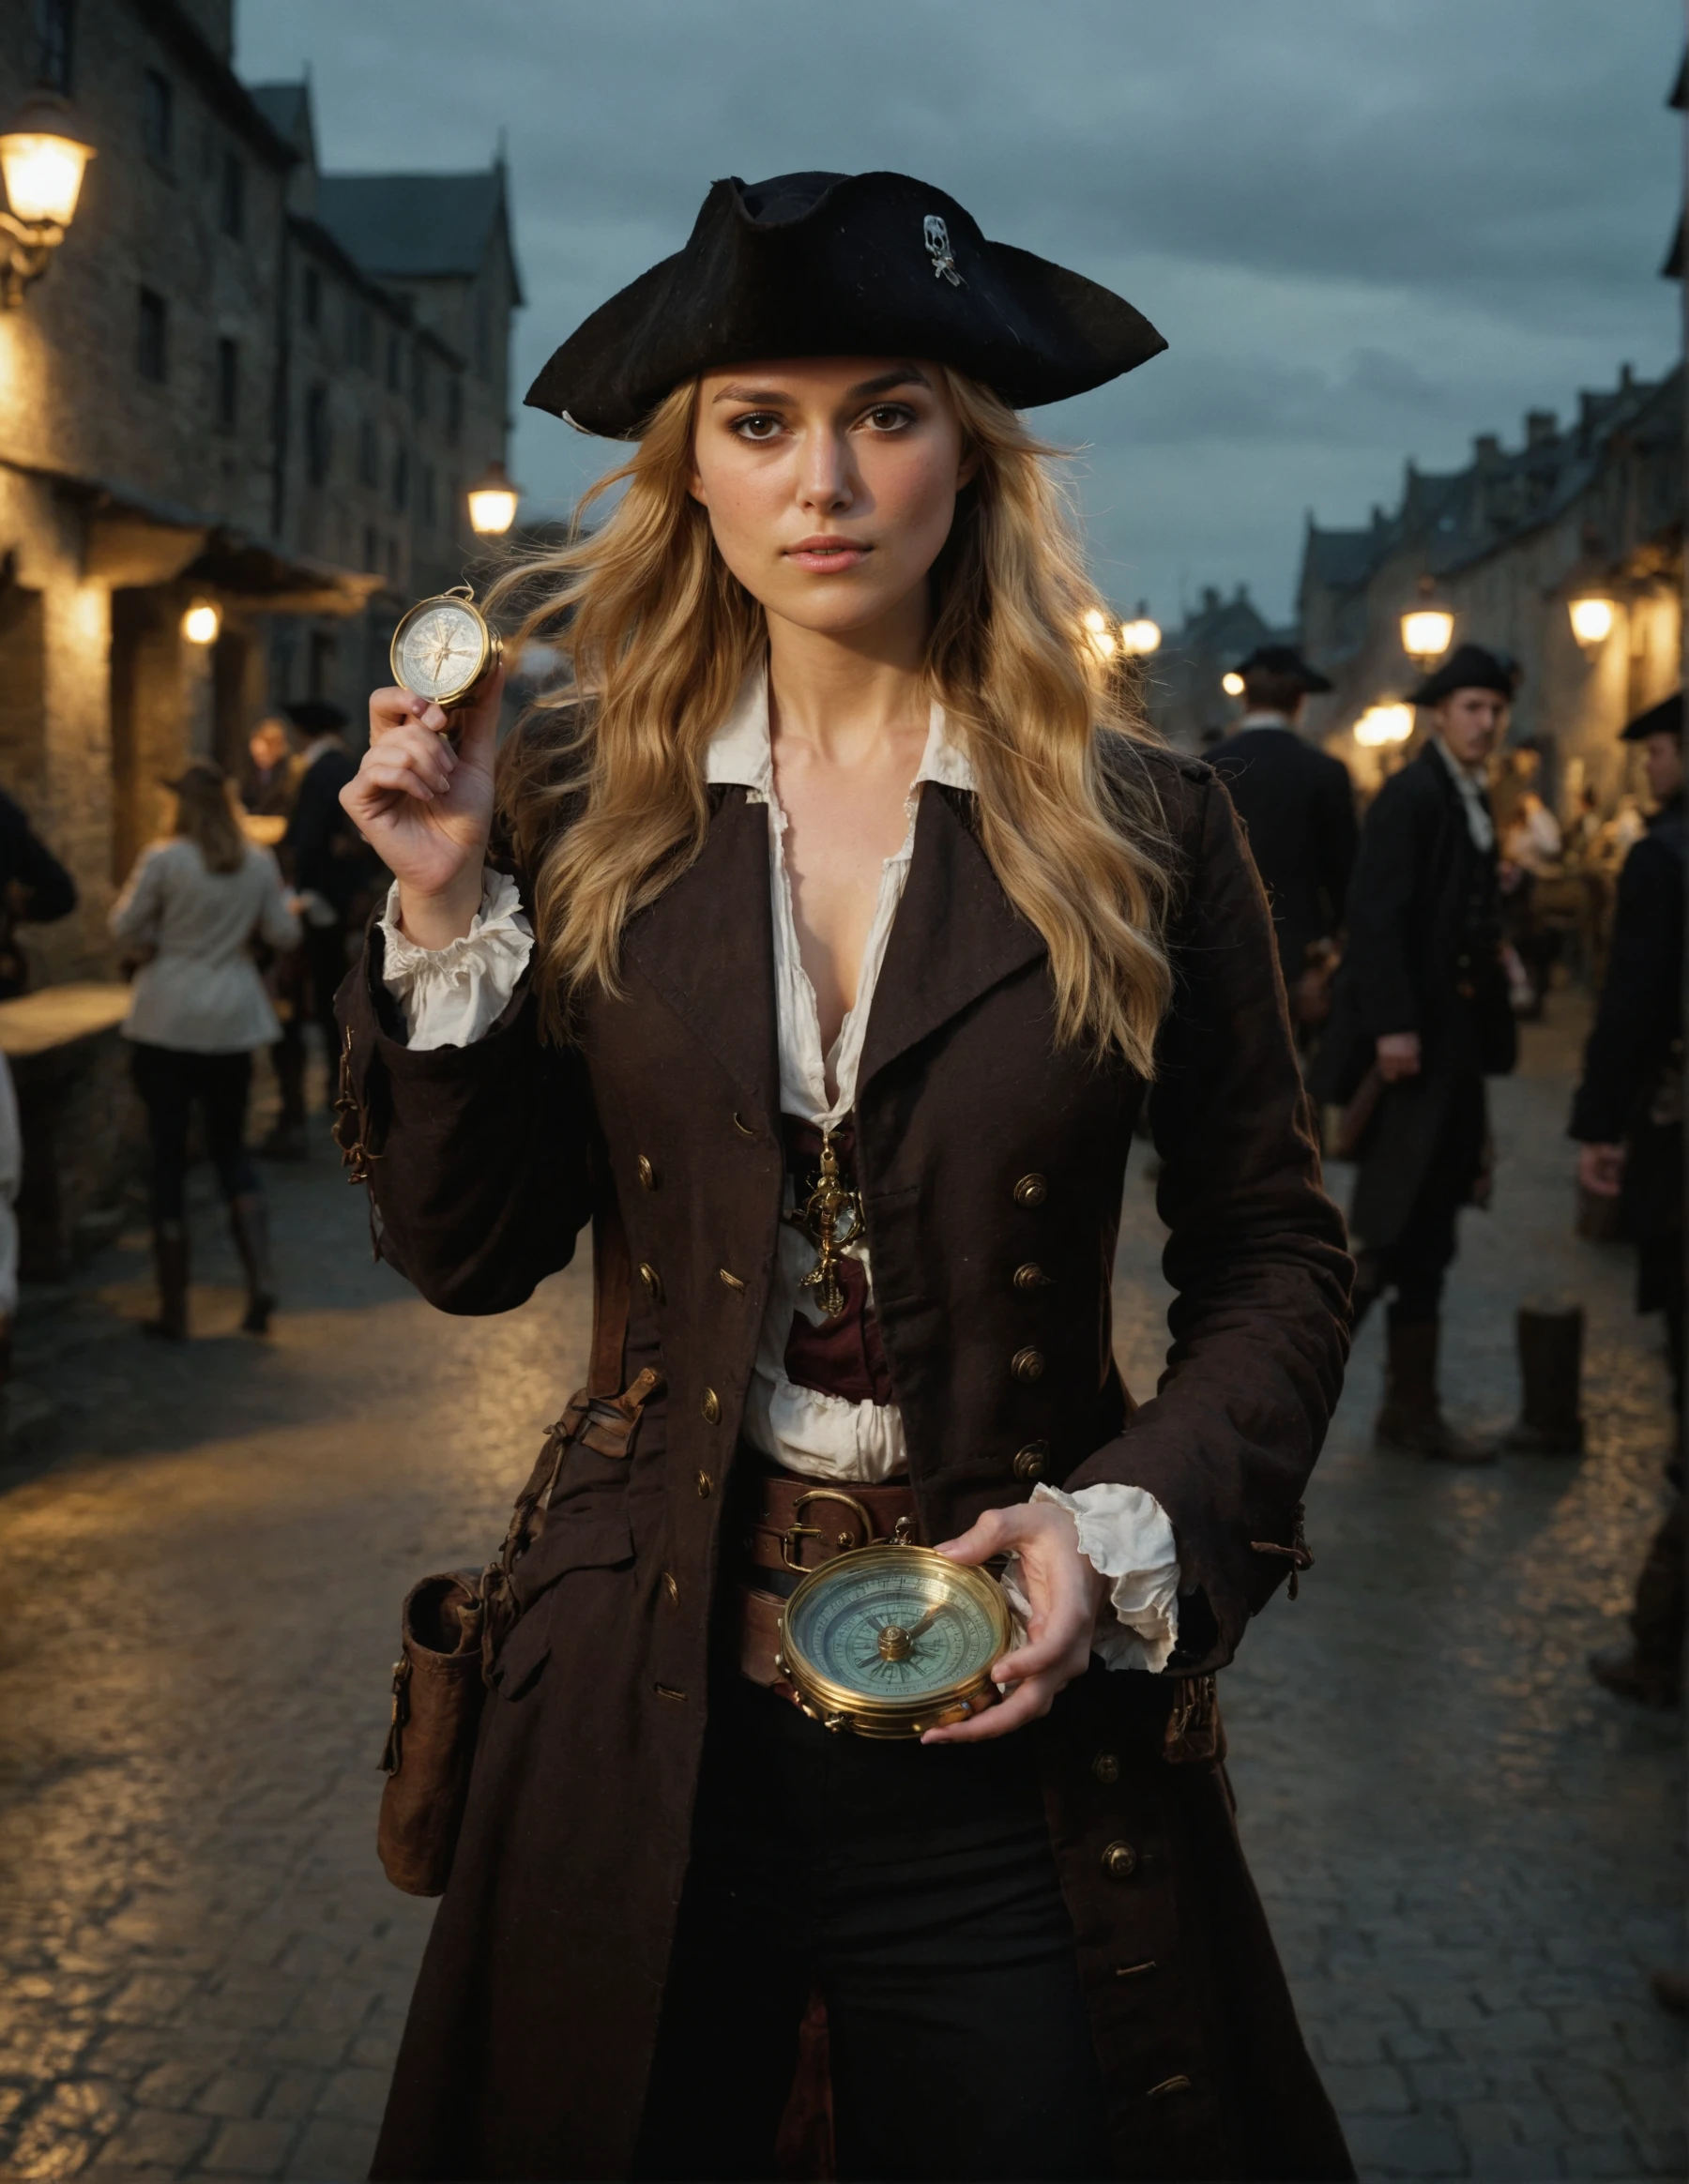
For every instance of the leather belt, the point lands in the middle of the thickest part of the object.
(795, 1524)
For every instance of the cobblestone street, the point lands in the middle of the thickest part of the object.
(1470, 1853)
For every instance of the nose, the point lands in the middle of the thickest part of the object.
(827, 479)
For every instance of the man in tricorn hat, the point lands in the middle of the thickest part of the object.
(1297, 806)
(1421, 1017)
(1628, 1119)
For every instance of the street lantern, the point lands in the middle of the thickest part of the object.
(1592, 621)
(1232, 683)
(1382, 725)
(1140, 636)
(41, 162)
(1425, 634)
(202, 623)
(492, 502)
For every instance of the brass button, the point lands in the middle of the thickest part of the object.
(1107, 1767)
(739, 1124)
(705, 1484)
(1031, 1191)
(1029, 1462)
(732, 1280)
(652, 1280)
(1031, 1276)
(1027, 1364)
(712, 1406)
(1119, 1861)
(671, 1586)
(1179, 2085)
(647, 1174)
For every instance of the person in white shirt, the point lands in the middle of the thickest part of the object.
(189, 910)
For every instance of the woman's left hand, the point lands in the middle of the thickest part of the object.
(1065, 1591)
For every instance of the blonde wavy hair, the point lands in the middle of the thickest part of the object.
(602, 794)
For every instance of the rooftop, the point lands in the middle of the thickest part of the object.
(415, 226)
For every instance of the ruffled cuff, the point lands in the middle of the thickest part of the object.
(450, 995)
(1125, 1534)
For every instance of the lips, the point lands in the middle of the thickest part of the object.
(827, 554)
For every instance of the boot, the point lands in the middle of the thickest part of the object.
(249, 1223)
(1629, 1675)
(1412, 1422)
(170, 1257)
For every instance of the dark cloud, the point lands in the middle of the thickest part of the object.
(1368, 230)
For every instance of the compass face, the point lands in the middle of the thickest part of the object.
(896, 1625)
(440, 653)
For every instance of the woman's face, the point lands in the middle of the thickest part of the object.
(831, 483)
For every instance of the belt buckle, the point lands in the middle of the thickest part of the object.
(796, 1531)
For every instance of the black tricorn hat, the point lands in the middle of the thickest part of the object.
(841, 266)
(315, 716)
(1285, 660)
(1666, 719)
(1468, 667)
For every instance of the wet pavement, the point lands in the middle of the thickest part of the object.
(1470, 1854)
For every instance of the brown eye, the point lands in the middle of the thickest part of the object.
(889, 416)
(757, 426)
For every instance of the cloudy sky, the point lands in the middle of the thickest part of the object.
(1368, 228)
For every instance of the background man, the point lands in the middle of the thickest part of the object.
(1420, 1017)
(1628, 1117)
(1297, 806)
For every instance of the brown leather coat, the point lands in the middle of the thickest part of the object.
(532, 2027)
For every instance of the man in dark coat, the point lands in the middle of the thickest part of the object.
(1628, 1119)
(1298, 807)
(1421, 1016)
(35, 890)
(331, 868)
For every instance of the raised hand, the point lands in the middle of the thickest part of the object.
(425, 809)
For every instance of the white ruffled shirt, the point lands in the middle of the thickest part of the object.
(451, 995)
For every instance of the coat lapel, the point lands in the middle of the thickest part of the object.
(956, 935)
(707, 946)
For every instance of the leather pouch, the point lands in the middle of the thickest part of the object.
(455, 1624)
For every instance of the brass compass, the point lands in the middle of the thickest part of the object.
(892, 1640)
(445, 649)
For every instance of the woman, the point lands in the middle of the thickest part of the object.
(192, 906)
(841, 842)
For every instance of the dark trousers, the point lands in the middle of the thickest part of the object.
(915, 1889)
(1413, 1267)
(172, 1084)
(314, 979)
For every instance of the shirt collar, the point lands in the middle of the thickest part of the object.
(1263, 719)
(740, 752)
(1468, 780)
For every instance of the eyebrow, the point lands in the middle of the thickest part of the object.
(770, 397)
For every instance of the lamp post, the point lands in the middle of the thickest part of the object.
(42, 163)
(202, 623)
(1592, 618)
(1381, 725)
(1231, 682)
(1140, 636)
(1426, 634)
(492, 502)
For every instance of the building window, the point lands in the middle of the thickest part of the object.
(402, 480)
(371, 550)
(362, 336)
(54, 27)
(395, 362)
(228, 384)
(319, 440)
(428, 507)
(392, 560)
(454, 410)
(418, 383)
(312, 298)
(369, 454)
(231, 205)
(153, 354)
(483, 335)
(157, 118)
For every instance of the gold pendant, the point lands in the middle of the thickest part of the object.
(831, 1217)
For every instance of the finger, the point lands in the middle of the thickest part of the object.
(1052, 1647)
(393, 708)
(994, 1533)
(477, 725)
(413, 746)
(1029, 1702)
(401, 778)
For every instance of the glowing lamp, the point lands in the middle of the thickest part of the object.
(1232, 684)
(42, 163)
(201, 622)
(1140, 636)
(1382, 725)
(492, 502)
(1425, 634)
(1099, 635)
(1592, 621)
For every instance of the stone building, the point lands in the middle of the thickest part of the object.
(1182, 681)
(240, 383)
(1591, 509)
